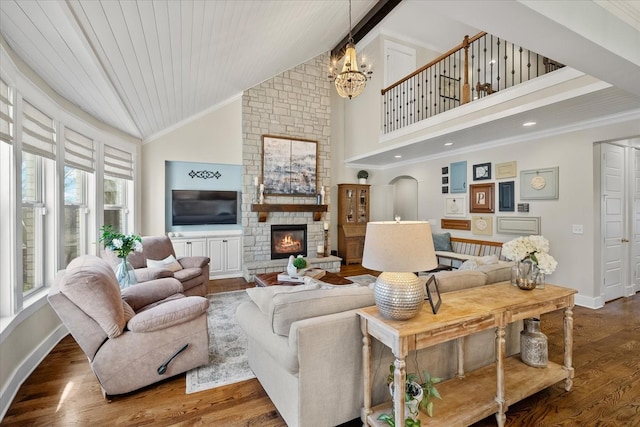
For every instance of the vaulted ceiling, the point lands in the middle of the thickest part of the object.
(144, 66)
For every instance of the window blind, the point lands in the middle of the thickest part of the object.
(6, 113)
(118, 163)
(38, 133)
(79, 151)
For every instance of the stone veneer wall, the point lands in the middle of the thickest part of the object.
(295, 103)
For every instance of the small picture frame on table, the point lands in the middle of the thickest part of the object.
(433, 294)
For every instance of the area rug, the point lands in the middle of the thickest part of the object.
(228, 362)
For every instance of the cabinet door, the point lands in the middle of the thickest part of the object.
(180, 247)
(362, 202)
(458, 177)
(216, 254)
(198, 247)
(233, 254)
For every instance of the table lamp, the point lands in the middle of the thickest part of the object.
(398, 249)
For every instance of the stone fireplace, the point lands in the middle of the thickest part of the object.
(287, 240)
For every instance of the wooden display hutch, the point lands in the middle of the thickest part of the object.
(353, 215)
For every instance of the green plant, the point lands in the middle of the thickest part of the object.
(363, 174)
(428, 388)
(122, 245)
(299, 262)
(408, 422)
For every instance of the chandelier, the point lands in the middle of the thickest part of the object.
(350, 82)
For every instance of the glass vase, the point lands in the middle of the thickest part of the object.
(526, 275)
(124, 273)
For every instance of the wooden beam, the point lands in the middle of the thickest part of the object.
(366, 24)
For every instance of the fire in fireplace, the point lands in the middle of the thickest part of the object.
(288, 240)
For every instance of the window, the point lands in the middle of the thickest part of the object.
(79, 159)
(75, 214)
(115, 206)
(51, 208)
(118, 169)
(39, 149)
(32, 223)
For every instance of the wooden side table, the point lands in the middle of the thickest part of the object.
(463, 313)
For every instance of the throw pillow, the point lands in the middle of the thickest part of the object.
(442, 242)
(486, 260)
(469, 264)
(169, 263)
(262, 297)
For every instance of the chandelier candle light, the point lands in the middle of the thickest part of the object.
(350, 82)
(398, 249)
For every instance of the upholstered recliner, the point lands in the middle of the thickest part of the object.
(193, 273)
(134, 337)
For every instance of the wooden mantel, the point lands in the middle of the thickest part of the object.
(264, 209)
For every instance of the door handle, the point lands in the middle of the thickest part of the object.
(625, 240)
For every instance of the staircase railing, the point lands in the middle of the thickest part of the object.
(479, 66)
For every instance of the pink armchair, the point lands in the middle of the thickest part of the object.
(193, 276)
(144, 334)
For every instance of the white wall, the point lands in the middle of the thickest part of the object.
(214, 137)
(576, 254)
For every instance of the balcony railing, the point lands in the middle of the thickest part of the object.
(480, 66)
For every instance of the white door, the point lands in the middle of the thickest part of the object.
(635, 279)
(616, 250)
(400, 61)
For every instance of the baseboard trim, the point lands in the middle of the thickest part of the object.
(29, 364)
(589, 302)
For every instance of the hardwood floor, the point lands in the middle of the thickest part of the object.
(63, 391)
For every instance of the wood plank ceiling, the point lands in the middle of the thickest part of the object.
(143, 66)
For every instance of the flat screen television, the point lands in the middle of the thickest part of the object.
(203, 207)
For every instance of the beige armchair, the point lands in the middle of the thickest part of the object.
(193, 276)
(135, 337)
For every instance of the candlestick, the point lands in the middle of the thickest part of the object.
(255, 181)
(326, 225)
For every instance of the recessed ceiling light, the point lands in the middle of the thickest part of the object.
(493, 61)
(398, 156)
(527, 124)
(448, 144)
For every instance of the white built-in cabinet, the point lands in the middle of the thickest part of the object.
(224, 250)
(225, 256)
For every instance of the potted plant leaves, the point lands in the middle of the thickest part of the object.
(418, 395)
(362, 176)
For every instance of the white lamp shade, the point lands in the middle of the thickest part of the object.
(404, 246)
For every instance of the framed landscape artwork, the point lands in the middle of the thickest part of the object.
(289, 166)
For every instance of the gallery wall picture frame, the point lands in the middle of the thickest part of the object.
(449, 88)
(455, 224)
(482, 225)
(445, 179)
(455, 206)
(506, 170)
(522, 225)
(539, 184)
(289, 166)
(433, 294)
(445, 170)
(481, 171)
(481, 198)
(506, 196)
(445, 189)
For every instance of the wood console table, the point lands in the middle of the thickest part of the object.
(487, 390)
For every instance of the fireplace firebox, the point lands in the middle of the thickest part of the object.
(288, 240)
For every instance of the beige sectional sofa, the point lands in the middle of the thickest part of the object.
(305, 346)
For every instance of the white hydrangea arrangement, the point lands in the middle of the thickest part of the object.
(535, 248)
